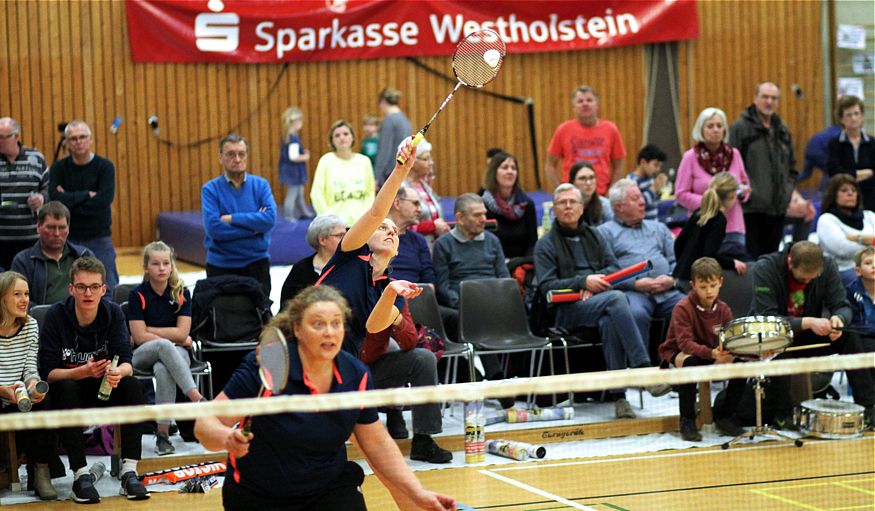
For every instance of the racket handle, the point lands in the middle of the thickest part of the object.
(414, 142)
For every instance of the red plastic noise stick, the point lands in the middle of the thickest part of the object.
(570, 295)
(629, 272)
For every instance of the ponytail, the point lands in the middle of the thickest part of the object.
(710, 206)
(722, 186)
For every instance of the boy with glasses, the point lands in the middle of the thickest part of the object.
(78, 339)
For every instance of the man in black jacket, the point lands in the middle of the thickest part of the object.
(78, 338)
(766, 147)
(800, 284)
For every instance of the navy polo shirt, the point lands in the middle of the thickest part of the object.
(298, 454)
(350, 273)
(158, 311)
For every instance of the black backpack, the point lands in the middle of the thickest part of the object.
(229, 308)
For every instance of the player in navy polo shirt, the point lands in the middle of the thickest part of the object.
(359, 267)
(297, 461)
(159, 316)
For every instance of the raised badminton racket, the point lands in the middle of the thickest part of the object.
(476, 62)
(272, 355)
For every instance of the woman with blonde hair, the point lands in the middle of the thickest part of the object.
(710, 155)
(344, 181)
(293, 166)
(313, 472)
(159, 316)
(704, 231)
(19, 343)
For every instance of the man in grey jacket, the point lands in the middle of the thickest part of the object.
(46, 265)
(766, 147)
(799, 283)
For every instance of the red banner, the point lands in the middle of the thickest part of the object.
(262, 31)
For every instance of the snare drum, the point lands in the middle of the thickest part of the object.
(755, 335)
(827, 418)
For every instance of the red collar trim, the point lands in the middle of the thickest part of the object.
(313, 389)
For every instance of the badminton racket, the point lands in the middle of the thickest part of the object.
(476, 62)
(272, 355)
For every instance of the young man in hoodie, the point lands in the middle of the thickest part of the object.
(78, 340)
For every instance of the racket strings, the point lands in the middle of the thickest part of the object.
(478, 59)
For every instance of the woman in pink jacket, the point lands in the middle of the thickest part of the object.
(712, 154)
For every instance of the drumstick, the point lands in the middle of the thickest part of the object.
(808, 346)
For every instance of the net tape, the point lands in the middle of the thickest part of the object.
(579, 382)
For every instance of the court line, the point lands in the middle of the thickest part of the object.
(536, 491)
(765, 493)
(848, 485)
(691, 452)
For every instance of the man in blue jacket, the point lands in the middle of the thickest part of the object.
(239, 212)
(78, 339)
(46, 265)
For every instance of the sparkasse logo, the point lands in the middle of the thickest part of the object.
(217, 31)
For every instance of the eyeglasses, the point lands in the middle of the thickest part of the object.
(337, 235)
(567, 202)
(415, 202)
(82, 288)
(7, 137)
(78, 138)
(231, 155)
(425, 158)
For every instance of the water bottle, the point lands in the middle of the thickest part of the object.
(547, 217)
(105, 387)
(97, 470)
(475, 440)
(21, 397)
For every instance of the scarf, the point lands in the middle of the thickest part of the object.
(565, 258)
(855, 219)
(511, 209)
(718, 161)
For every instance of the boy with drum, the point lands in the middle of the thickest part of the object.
(692, 340)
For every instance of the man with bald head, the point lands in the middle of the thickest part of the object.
(766, 147)
(23, 189)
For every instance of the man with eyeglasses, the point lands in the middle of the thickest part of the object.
(573, 255)
(85, 183)
(78, 339)
(413, 262)
(239, 213)
(23, 190)
(766, 147)
(46, 264)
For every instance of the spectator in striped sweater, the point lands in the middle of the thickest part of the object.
(19, 341)
(23, 190)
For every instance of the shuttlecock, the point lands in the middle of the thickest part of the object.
(491, 57)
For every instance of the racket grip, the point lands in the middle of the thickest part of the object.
(414, 142)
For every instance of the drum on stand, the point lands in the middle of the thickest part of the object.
(827, 418)
(756, 337)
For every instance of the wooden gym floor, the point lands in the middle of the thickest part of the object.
(821, 476)
(828, 475)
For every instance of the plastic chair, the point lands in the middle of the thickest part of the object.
(122, 292)
(38, 312)
(737, 291)
(425, 311)
(492, 317)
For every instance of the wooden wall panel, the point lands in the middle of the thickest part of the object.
(744, 43)
(81, 68)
